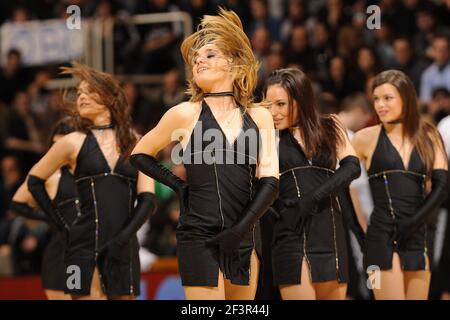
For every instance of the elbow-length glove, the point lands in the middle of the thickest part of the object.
(229, 240)
(150, 167)
(307, 205)
(350, 217)
(36, 186)
(24, 210)
(118, 247)
(439, 192)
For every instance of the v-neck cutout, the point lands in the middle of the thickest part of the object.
(241, 130)
(299, 146)
(405, 167)
(110, 168)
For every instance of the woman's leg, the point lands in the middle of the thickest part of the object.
(206, 293)
(96, 289)
(417, 283)
(330, 290)
(391, 282)
(303, 291)
(237, 292)
(57, 295)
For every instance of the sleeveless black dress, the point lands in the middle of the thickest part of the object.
(221, 178)
(66, 199)
(322, 242)
(107, 198)
(397, 194)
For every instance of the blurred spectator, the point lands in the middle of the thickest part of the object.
(438, 73)
(356, 112)
(20, 14)
(384, 50)
(368, 64)
(240, 7)
(261, 41)
(10, 180)
(295, 15)
(340, 83)
(38, 93)
(298, 53)
(197, 9)
(52, 111)
(323, 49)
(439, 106)
(349, 41)
(170, 94)
(260, 16)
(138, 106)
(12, 77)
(428, 28)
(160, 40)
(333, 15)
(407, 61)
(22, 136)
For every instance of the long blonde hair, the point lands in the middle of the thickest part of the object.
(226, 32)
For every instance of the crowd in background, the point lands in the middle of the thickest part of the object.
(327, 39)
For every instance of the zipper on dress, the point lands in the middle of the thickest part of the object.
(213, 153)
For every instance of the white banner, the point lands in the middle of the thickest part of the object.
(42, 42)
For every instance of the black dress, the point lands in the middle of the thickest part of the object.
(107, 199)
(66, 199)
(397, 194)
(322, 242)
(221, 178)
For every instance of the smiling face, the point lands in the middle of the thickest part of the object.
(212, 69)
(387, 102)
(278, 98)
(88, 102)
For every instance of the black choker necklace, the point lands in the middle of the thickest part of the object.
(103, 127)
(219, 94)
(395, 121)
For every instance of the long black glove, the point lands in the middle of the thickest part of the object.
(150, 166)
(146, 206)
(36, 186)
(24, 210)
(350, 217)
(439, 192)
(230, 239)
(349, 169)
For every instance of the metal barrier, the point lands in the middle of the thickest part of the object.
(99, 45)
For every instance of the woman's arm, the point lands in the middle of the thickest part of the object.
(23, 204)
(60, 154)
(268, 165)
(172, 127)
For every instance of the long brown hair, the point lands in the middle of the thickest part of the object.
(113, 97)
(322, 134)
(226, 32)
(422, 133)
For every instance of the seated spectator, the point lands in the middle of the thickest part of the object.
(439, 106)
(298, 51)
(260, 16)
(160, 39)
(22, 136)
(13, 77)
(438, 73)
(406, 61)
(340, 83)
(295, 14)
